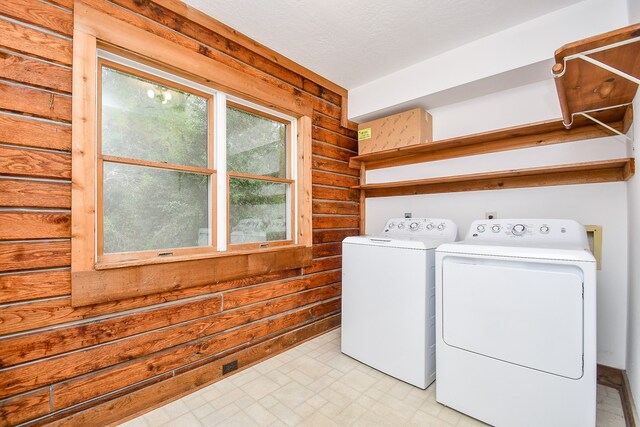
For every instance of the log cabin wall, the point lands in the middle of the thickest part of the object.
(97, 364)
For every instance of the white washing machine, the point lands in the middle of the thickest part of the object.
(388, 297)
(516, 324)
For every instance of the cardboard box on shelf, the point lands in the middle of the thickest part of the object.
(399, 130)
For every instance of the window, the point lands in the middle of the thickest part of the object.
(185, 171)
(156, 168)
(260, 189)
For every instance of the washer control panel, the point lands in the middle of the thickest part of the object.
(420, 227)
(542, 230)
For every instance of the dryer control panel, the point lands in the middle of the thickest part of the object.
(530, 230)
(420, 227)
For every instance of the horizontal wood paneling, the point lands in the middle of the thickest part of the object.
(328, 236)
(93, 385)
(28, 256)
(55, 357)
(333, 138)
(339, 208)
(333, 193)
(28, 41)
(40, 14)
(41, 164)
(335, 221)
(34, 133)
(24, 408)
(110, 410)
(326, 178)
(324, 264)
(320, 163)
(34, 225)
(65, 339)
(38, 103)
(23, 69)
(34, 194)
(327, 249)
(37, 314)
(27, 286)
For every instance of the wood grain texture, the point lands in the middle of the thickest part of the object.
(333, 179)
(29, 256)
(33, 133)
(577, 173)
(134, 344)
(35, 43)
(86, 387)
(137, 400)
(324, 264)
(90, 287)
(334, 166)
(34, 72)
(28, 286)
(34, 163)
(51, 312)
(341, 221)
(39, 103)
(39, 14)
(335, 207)
(517, 137)
(34, 225)
(34, 194)
(25, 407)
(329, 236)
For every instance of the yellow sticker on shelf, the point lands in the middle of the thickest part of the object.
(364, 134)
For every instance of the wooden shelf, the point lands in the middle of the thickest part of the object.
(576, 173)
(583, 86)
(530, 135)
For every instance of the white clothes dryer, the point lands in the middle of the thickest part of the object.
(516, 324)
(388, 297)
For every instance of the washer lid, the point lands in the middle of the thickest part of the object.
(401, 243)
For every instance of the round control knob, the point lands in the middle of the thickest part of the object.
(544, 229)
(401, 225)
(441, 227)
(429, 226)
(480, 228)
(392, 224)
(414, 226)
(518, 229)
(495, 228)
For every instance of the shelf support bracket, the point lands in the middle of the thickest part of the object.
(585, 57)
(616, 131)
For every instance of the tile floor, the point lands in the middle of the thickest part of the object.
(316, 385)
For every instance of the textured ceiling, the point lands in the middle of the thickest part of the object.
(352, 42)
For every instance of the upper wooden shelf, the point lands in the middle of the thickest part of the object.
(583, 86)
(576, 173)
(530, 135)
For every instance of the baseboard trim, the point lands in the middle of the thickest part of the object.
(617, 378)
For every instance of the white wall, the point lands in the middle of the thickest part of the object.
(633, 196)
(600, 204)
(517, 47)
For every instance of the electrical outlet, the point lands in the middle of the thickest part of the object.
(491, 215)
(229, 367)
(407, 214)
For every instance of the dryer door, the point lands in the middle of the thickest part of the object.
(528, 314)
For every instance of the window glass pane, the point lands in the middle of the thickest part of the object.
(256, 145)
(257, 211)
(149, 121)
(149, 208)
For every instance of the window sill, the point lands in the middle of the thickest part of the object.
(111, 282)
